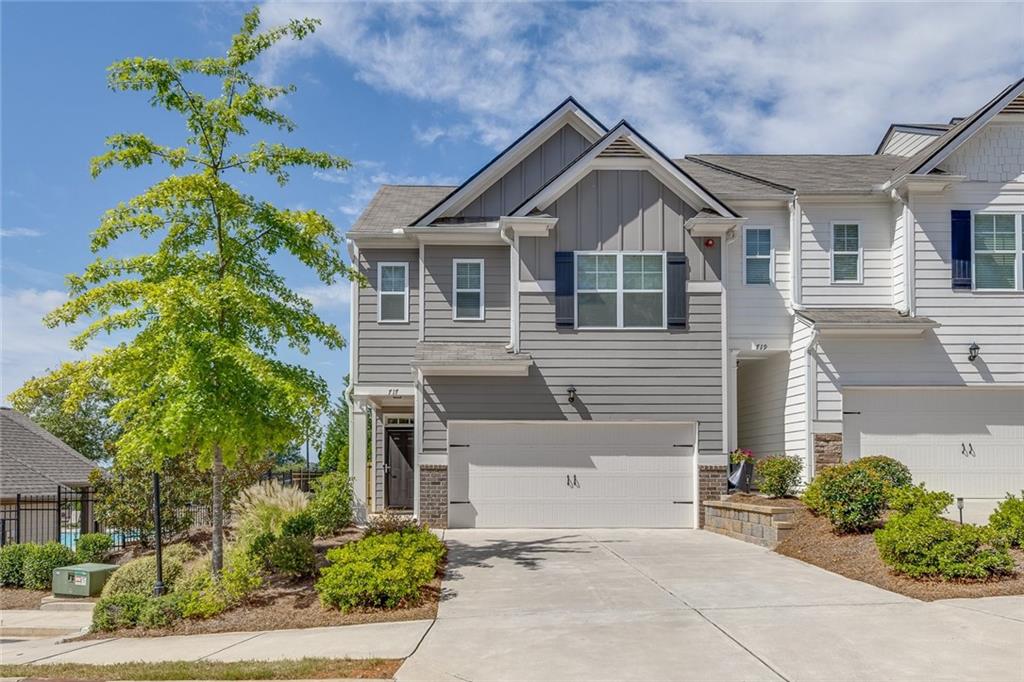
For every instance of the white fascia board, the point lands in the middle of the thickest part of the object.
(712, 226)
(569, 113)
(489, 233)
(394, 240)
(528, 226)
(384, 391)
(510, 368)
(927, 184)
(665, 171)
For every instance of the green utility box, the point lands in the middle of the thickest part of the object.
(81, 580)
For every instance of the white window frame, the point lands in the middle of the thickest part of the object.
(620, 290)
(832, 253)
(770, 256)
(456, 290)
(381, 293)
(1018, 252)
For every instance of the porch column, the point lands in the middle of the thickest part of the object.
(357, 459)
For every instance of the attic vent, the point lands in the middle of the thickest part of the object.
(1016, 106)
(621, 148)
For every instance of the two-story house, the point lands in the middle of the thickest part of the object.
(579, 333)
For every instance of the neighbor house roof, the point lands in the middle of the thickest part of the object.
(33, 461)
(811, 173)
(398, 206)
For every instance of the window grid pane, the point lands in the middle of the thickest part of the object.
(392, 278)
(597, 273)
(845, 267)
(392, 307)
(642, 272)
(597, 309)
(995, 251)
(758, 271)
(467, 304)
(467, 276)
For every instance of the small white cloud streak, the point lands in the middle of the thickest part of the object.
(20, 232)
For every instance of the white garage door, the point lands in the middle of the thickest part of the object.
(969, 442)
(570, 474)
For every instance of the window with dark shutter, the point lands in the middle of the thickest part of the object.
(960, 234)
(565, 283)
(676, 272)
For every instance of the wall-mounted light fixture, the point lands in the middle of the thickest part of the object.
(709, 243)
(572, 394)
(973, 350)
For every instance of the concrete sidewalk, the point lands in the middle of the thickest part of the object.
(43, 622)
(372, 640)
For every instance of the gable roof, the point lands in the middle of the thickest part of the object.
(569, 111)
(395, 206)
(926, 129)
(811, 173)
(928, 158)
(638, 149)
(33, 461)
(732, 184)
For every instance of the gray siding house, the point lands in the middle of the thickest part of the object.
(579, 333)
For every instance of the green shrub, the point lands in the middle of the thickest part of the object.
(242, 575)
(920, 544)
(301, 524)
(118, 611)
(812, 496)
(916, 497)
(893, 473)
(203, 598)
(389, 522)
(778, 475)
(331, 505)
(12, 565)
(39, 562)
(380, 570)
(260, 547)
(852, 497)
(94, 548)
(138, 575)
(1008, 520)
(159, 612)
(293, 555)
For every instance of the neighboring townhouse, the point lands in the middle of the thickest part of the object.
(579, 333)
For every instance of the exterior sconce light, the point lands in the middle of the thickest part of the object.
(572, 394)
(960, 506)
(973, 350)
(709, 243)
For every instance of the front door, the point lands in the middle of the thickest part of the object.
(398, 456)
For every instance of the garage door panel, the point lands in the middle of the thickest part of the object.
(558, 474)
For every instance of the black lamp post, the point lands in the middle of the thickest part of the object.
(960, 506)
(158, 586)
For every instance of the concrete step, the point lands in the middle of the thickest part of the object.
(39, 623)
(67, 604)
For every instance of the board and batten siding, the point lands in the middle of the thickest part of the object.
(439, 294)
(386, 349)
(761, 404)
(523, 179)
(759, 311)
(669, 375)
(875, 220)
(618, 210)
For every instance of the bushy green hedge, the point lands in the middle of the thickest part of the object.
(778, 475)
(893, 473)
(1008, 520)
(12, 565)
(331, 505)
(39, 562)
(380, 570)
(290, 552)
(921, 544)
(94, 548)
(850, 496)
(138, 575)
(914, 497)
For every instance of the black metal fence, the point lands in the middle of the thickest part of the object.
(68, 513)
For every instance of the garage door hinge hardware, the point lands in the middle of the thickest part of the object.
(682, 445)
(681, 502)
(459, 502)
(851, 412)
(458, 445)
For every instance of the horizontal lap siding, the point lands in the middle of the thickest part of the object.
(759, 311)
(643, 375)
(438, 292)
(816, 248)
(385, 350)
(761, 404)
(907, 144)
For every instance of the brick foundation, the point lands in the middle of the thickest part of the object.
(828, 450)
(434, 495)
(712, 485)
(765, 526)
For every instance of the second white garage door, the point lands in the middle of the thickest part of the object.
(504, 474)
(967, 441)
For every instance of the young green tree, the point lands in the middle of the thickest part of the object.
(207, 308)
(334, 456)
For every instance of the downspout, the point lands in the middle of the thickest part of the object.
(907, 247)
(811, 391)
(795, 234)
(513, 252)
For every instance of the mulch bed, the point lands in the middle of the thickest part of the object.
(17, 598)
(856, 556)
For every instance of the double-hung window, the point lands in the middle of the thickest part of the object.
(847, 254)
(393, 292)
(468, 289)
(620, 290)
(758, 266)
(996, 250)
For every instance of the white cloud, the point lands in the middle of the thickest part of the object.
(363, 179)
(29, 347)
(20, 232)
(327, 298)
(823, 77)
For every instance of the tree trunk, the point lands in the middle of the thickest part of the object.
(217, 503)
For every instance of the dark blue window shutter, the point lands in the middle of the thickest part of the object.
(677, 271)
(565, 289)
(960, 234)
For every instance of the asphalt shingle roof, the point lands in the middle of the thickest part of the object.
(398, 206)
(730, 184)
(33, 461)
(861, 316)
(812, 173)
(437, 352)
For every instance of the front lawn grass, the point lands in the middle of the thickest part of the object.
(306, 668)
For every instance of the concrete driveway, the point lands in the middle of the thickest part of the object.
(689, 605)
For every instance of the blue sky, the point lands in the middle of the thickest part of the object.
(426, 93)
